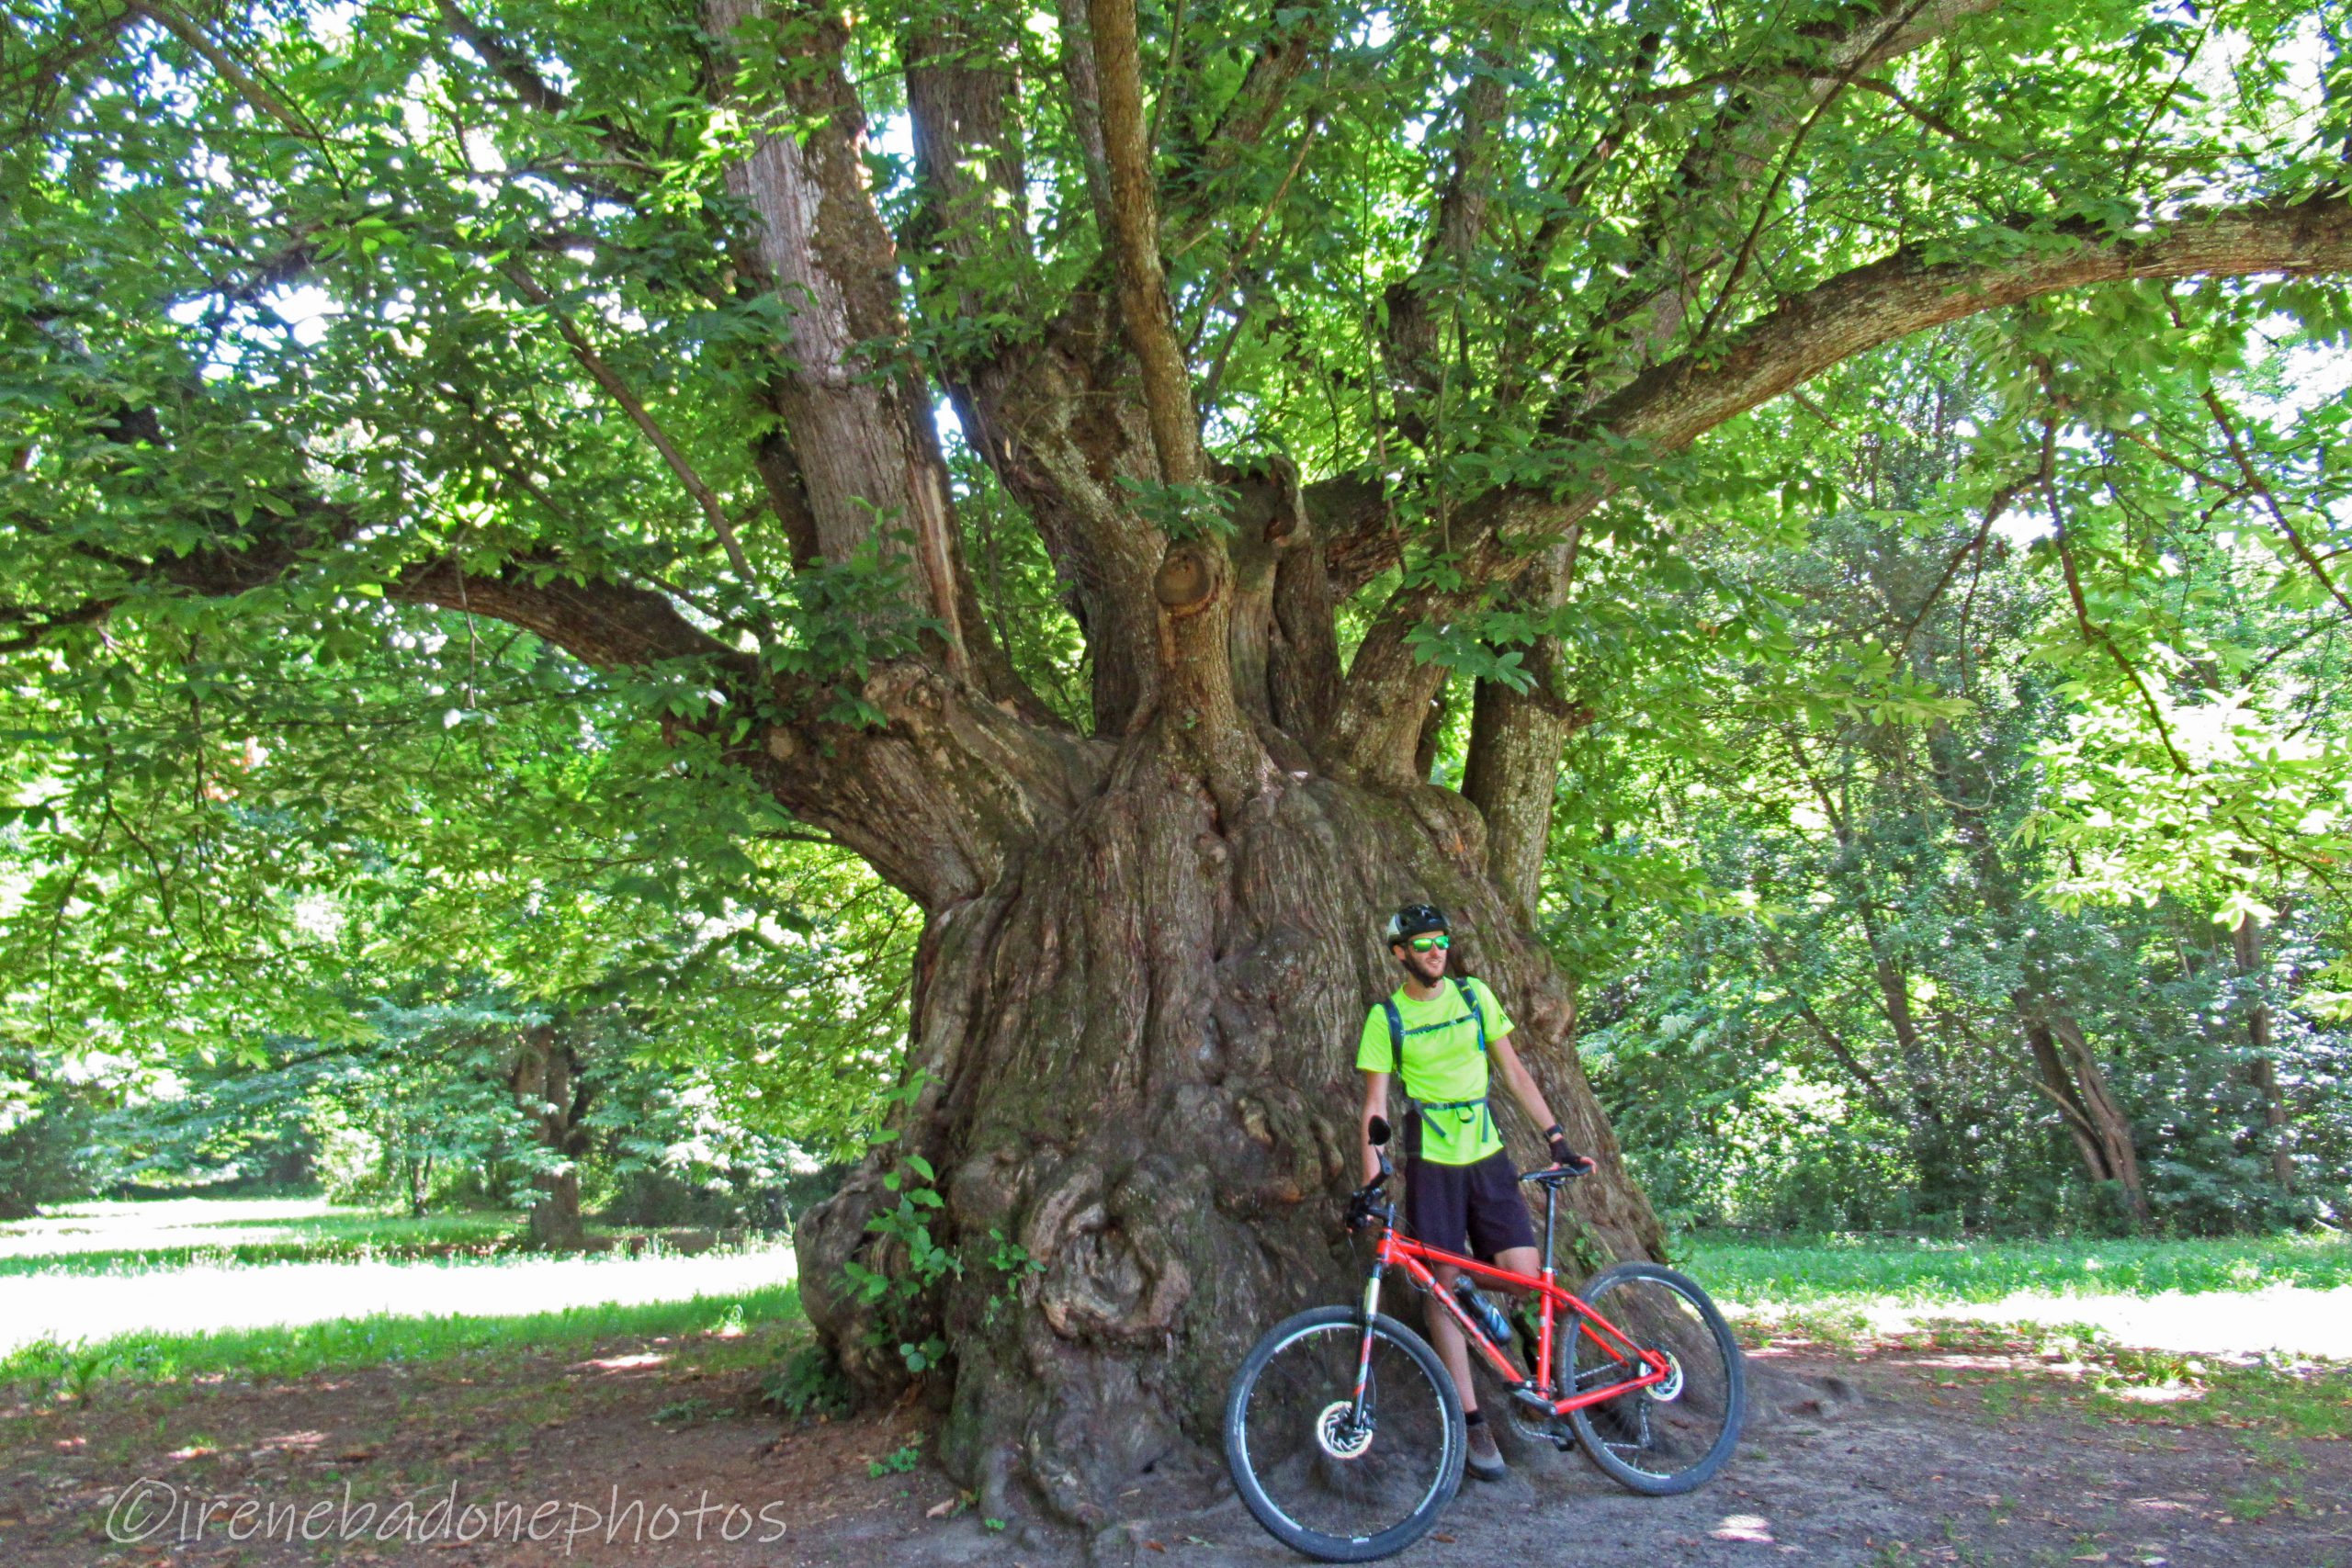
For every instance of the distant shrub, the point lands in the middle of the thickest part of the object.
(40, 1156)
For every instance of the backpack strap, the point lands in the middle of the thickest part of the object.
(1397, 1025)
(1397, 1054)
(1470, 995)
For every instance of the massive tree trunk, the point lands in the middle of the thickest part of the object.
(1138, 1058)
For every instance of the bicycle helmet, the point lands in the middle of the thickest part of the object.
(1413, 920)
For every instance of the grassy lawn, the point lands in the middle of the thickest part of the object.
(1856, 1270)
(1818, 1290)
(340, 1344)
(142, 1236)
(179, 1290)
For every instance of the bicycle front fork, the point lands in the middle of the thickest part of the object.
(1358, 1413)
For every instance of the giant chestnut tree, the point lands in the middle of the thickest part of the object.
(1313, 349)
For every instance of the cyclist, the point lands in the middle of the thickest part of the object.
(1445, 1040)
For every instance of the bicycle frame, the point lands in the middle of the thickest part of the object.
(1416, 1259)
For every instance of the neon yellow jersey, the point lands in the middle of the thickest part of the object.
(1442, 1066)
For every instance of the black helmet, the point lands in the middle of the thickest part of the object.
(1413, 920)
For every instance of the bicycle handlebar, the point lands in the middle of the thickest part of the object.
(1363, 1205)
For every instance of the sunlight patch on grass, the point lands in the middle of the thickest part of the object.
(1844, 1270)
(2081, 1367)
(48, 1369)
(147, 1236)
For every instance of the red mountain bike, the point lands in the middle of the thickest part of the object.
(1344, 1431)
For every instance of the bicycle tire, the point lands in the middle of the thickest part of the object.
(1343, 1327)
(1660, 1310)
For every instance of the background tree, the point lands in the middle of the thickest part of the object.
(1283, 335)
(1900, 989)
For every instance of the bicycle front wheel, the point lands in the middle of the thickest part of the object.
(1321, 1483)
(1672, 1436)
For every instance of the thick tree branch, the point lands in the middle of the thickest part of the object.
(1259, 106)
(1807, 332)
(1134, 218)
(1412, 347)
(857, 416)
(1670, 405)
(1726, 158)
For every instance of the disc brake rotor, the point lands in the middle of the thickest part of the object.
(1668, 1388)
(1337, 1431)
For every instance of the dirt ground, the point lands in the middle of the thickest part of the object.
(1888, 1458)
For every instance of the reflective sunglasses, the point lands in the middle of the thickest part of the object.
(1423, 944)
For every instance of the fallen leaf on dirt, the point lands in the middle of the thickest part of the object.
(1154, 1546)
(940, 1510)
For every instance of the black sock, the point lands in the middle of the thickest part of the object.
(1474, 1417)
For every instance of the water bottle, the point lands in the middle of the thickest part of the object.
(1484, 1313)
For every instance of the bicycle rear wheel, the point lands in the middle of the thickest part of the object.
(1672, 1436)
(1320, 1484)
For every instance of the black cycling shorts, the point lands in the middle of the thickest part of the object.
(1446, 1205)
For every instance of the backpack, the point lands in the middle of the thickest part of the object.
(1396, 1033)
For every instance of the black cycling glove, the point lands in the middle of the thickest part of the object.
(1561, 1153)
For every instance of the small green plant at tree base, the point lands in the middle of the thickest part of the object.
(808, 1383)
(900, 1295)
(898, 1461)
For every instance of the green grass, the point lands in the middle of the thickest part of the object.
(281, 1354)
(333, 1239)
(1839, 1271)
(330, 1235)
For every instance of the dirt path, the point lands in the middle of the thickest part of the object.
(1884, 1459)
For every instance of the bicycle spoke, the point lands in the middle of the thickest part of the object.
(1320, 1470)
(1671, 1430)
